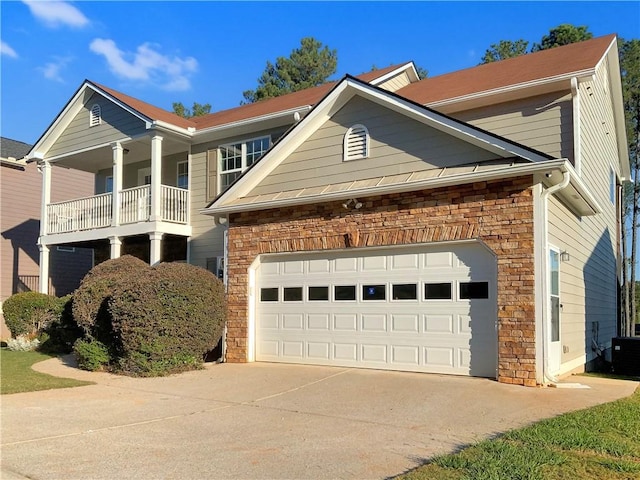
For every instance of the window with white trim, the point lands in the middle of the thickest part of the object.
(95, 116)
(612, 185)
(235, 158)
(356, 143)
(182, 181)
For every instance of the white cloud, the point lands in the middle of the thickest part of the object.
(5, 49)
(52, 70)
(55, 13)
(147, 64)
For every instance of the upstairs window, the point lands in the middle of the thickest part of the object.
(356, 143)
(95, 116)
(612, 186)
(183, 175)
(235, 158)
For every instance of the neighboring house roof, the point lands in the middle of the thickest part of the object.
(239, 197)
(13, 148)
(549, 64)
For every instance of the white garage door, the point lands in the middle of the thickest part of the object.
(427, 309)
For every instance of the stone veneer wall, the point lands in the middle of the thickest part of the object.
(499, 213)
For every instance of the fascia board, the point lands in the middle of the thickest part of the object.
(452, 180)
(407, 66)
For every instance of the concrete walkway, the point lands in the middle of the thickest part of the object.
(265, 420)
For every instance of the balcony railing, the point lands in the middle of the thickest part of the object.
(135, 206)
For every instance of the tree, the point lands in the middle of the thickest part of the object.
(629, 52)
(562, 35)
(197, 110)
(308, 66)
(422, 72)
(505, 49)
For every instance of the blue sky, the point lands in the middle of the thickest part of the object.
(210, 52)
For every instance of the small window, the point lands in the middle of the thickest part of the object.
(344, 292)
(293, 294)
(374, 292)
(95, 116)
(318, 294)
(471, 290)
(405, 291)
(183, 175)
(437, 291)
(356, 143)
(612, 186)
(269, 294)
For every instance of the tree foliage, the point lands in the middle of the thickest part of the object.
(308, 66)
(563, 34)
(197, 110)
(505, 49)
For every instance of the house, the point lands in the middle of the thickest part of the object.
(20, 189)
(462, 224)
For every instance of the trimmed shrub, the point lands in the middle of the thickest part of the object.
(28, 313)
(167, 318)
(90, 299)
(91, 355)
(22, 343)
(60, 335)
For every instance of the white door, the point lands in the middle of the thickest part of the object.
(555, 349)
(426, 308)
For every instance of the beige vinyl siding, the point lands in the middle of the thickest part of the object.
(398, 145)
(396, 82)
(588, 289)
(543, 122)
(130, 172)
(207, 239)
(116, 124)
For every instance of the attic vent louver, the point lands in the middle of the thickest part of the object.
(356, 143)
(95, 118)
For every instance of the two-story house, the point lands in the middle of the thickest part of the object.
(464, 224)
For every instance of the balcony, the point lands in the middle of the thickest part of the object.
(97, 211)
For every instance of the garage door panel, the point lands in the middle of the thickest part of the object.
(334, 319)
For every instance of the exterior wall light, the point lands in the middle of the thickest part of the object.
(353, 201)
(564, 256)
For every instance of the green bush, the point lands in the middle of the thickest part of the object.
(28, 313)
(151, 320)
(91, 355)
(167, 318)
(60, 335)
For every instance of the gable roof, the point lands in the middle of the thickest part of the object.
(236, 198)
(545, 65)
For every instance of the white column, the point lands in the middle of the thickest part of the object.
(116, 247)
(156, 248)
(156, 177)
(45, 170)
(44, 269)
(117, 184)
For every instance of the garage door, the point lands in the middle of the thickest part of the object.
(426, 309)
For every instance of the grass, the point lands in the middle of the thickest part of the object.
(601, 443)
(18, 376)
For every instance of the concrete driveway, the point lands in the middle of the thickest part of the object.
(265, 421)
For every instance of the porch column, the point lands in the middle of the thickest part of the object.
(117, 184)
(156, 178)
(156, 247)
(116, 247)
(45, 170)
(43, 286)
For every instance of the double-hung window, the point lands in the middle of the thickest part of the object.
(235, 158)
(182, 180)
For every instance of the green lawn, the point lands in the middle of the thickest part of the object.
(18, 376)
(601, 443)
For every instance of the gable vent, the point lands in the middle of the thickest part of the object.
(356, 143)
(95, 118)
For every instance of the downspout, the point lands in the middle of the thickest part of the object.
(566, 177)
(223, 221)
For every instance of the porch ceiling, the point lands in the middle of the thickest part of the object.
(102, 157)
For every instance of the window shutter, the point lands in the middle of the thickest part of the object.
(356, 143)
